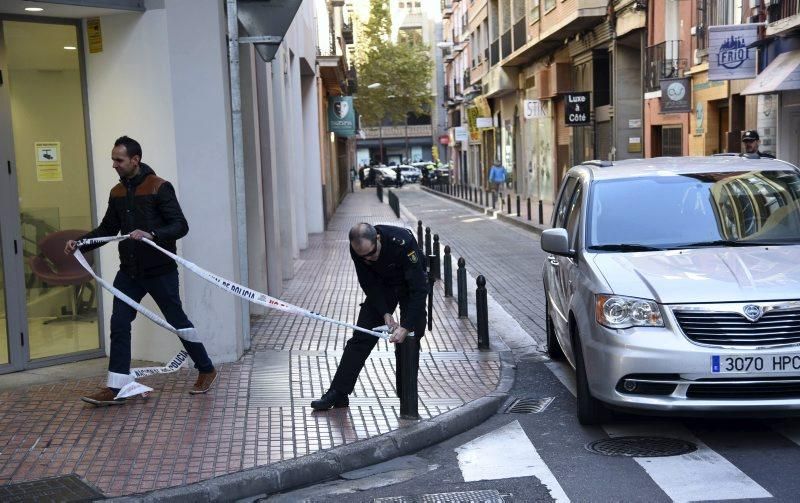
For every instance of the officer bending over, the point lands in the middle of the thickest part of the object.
(389, 268)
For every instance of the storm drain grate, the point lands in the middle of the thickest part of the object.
(62, 489)
(641, 447)
(529, 405)
(487, 496)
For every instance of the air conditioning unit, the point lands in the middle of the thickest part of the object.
(698, 57)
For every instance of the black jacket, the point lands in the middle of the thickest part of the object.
(148, 203)
(399, 268)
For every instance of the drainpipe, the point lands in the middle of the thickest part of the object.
(238, 161)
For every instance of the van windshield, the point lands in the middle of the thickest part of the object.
(695, 210)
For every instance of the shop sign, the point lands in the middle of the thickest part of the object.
(578, 109)
(676, 96)
(730, 56)
(484, 123)
(472, 123)
(341, 116)
(483, 106)
(444, 139)
(534, 109)
(460, 133)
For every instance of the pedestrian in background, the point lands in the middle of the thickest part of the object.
(497, 177)
(145, 207)
(388, 264)
(752, 142)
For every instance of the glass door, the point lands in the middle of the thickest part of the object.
(46, 150)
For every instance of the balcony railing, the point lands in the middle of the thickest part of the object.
(662, 61)
(781, 9)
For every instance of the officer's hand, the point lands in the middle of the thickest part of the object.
(70, 247)
(139, 235)
(399, 335)
(389, 321)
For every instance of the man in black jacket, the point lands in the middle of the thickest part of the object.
(389, 268)
(144, 206)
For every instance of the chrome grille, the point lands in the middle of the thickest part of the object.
(776, 327)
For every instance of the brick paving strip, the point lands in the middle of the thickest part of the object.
(255, 432)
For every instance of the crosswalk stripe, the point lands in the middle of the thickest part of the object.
(504, 453)
(698, 476)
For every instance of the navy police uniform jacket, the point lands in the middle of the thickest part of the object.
(398, 270)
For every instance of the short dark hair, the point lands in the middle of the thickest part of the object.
(363, 231)
(132, 146)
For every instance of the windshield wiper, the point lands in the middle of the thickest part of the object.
(731, 242)
(625, 247)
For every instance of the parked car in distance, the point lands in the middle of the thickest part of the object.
(673, 285)
(410, 174)
(386, 176)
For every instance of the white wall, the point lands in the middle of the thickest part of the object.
(160, 83)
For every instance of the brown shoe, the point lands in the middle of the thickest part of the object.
(204, 382)
(103, 397)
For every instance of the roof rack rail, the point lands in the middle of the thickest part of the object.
(727, 154)
(598, 163)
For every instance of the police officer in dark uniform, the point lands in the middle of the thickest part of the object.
(751, 142)
(389, 267)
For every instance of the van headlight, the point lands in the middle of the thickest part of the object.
(616, 311)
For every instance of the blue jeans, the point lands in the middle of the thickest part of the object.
(164, 290)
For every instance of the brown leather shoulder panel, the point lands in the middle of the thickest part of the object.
(118, 190)
(150, 186)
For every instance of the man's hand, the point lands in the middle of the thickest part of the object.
(139, 235)
(388, 320)
(70, 247)
(399, 335)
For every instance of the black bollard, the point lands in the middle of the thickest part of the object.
(427, 241)
(419, 232)
(529, 209)
(448, 272)
(407, 377)
(463, 309)
(519, 213)
(508, 203)
(541, 213)
(438, 255)
(434, 266)
(481, 193)
(482, 305)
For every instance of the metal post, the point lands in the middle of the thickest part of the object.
(463, 310)
(448, 272)
(408, 378)
(481, 193)
(482, 306)
(494, 199)
(427, 241)
(437, 254)
(419, 232)
(529, 209)
(519, 213)
(541, 213)
(434, 265)
(508, 203)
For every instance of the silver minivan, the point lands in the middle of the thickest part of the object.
(673, 284)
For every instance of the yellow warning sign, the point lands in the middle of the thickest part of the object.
(48, 161)
(95, 35)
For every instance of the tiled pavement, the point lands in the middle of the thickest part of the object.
(259, 411)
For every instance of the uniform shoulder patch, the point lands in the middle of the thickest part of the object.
(412, 257)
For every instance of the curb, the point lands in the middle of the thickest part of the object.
(516, 221)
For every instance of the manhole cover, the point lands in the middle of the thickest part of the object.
(487, 496)
(641, 447)
(529, 405)
(66, 488)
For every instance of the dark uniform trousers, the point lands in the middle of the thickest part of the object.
(358, 347)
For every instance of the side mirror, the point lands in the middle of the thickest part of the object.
(555, 241)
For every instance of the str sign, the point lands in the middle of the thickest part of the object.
(578, 109)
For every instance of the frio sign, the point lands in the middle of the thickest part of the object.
(730, 55)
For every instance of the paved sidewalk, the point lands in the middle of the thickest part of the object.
(258, 413)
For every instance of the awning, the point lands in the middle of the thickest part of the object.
(783, 74)
(265, 22)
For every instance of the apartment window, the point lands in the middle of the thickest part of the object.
(550, 5)
(410, 36)
(534, 10)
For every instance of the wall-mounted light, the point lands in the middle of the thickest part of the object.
(34, 9)
(70, 47)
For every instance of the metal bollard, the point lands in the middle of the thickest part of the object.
(434, 262)
(519, 214)
(481, 192)
(461, 279)
(407, 378)
(419, 232)
(448, 272)
(427, 241)
(529, 209)
(438, 255)
(482, 305)
(541, 212)
(508, 203)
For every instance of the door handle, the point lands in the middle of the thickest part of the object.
(553, 261)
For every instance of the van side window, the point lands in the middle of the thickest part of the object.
(574, 217)
(564, 201)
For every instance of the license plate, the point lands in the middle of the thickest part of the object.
(725, 364)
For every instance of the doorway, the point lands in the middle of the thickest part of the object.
(46, 198)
